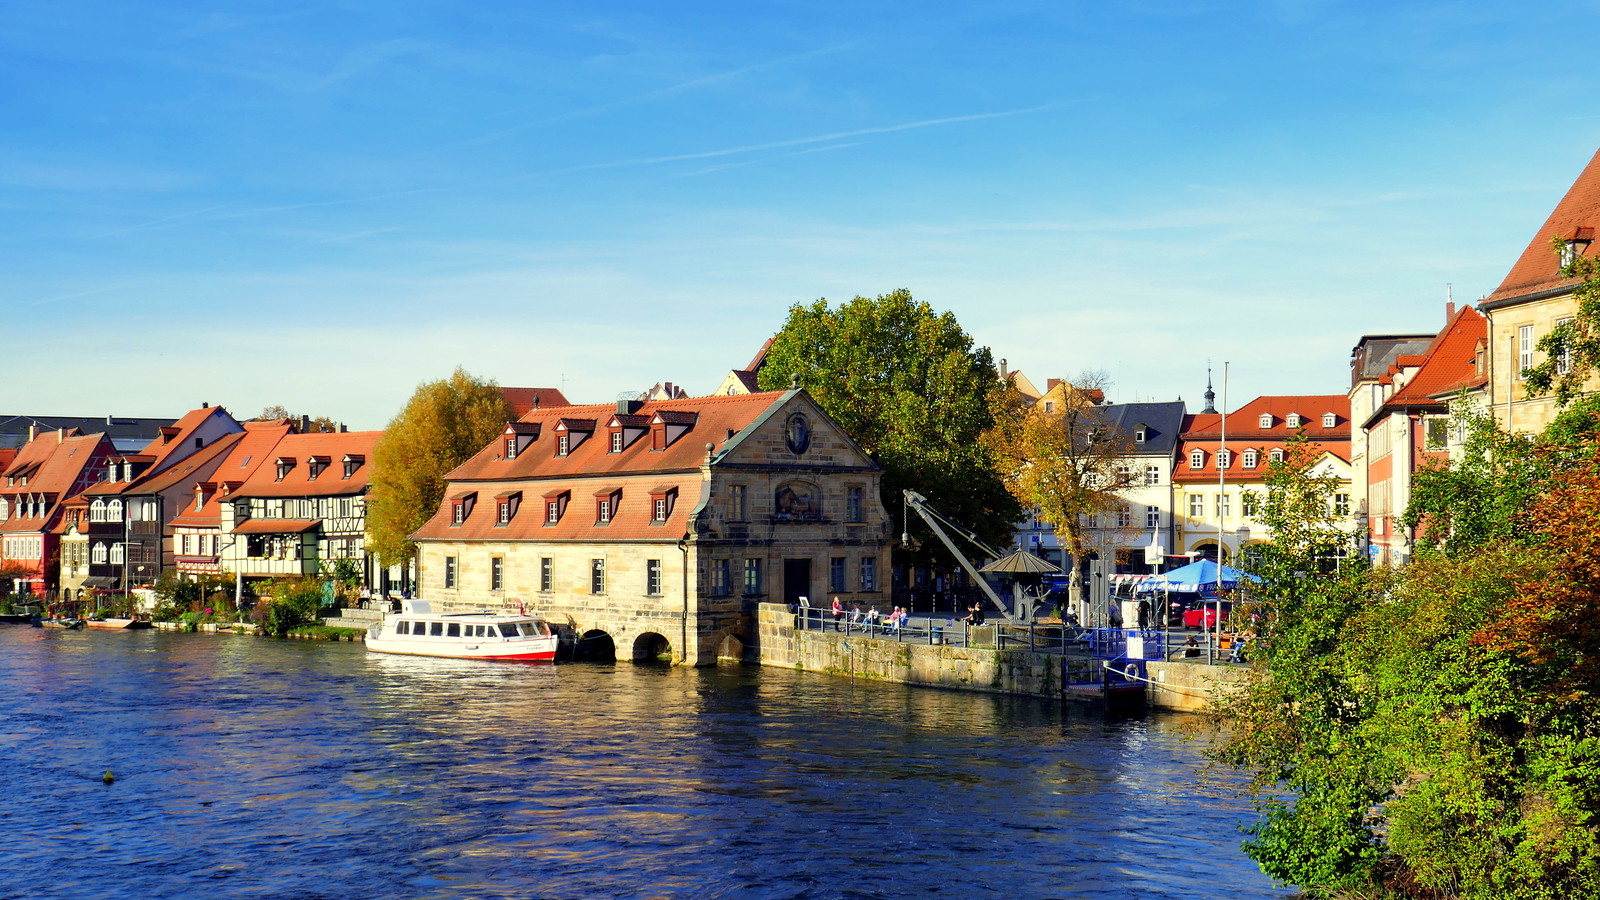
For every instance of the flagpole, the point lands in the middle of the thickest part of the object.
(1222, 493)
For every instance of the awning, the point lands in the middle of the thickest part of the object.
(100, 581)
(275, 526)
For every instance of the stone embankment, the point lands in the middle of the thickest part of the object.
(1173, 685)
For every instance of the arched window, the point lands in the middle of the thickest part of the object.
(116, 554)
(98, 556)
(114, 511)
(97, 512)
(5, 511)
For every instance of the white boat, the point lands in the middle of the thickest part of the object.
(417, 631)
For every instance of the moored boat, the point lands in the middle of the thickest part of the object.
(117, 623)
(55, 622)
(418, 631)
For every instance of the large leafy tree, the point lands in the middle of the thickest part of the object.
(443, 425)
(908, 384)
(1572, 348)
(1429, 731)
(1067, 462)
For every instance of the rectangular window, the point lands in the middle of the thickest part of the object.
(616, 442)
(597, 576)
(836, 574)
(1249, 504)
(752, 577)
(603, 514)
(1564, 359)
(1341, 504)
(497, 573)
(1524, 349)
(1436, 433)
(852, 504)
(1197, 506)
(1152, 517)
(1223, 505)
(661, 509)
(869, 573)
(1152, 474)
(719, 578)
(1197, 459)
(563, 445)
(449, 572)
(1124, 516)
(547, 574)
(736, 504)
(652, 577)
(552, 512)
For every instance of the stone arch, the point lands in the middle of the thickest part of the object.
(1207, 549)
(651, 647)
(594, 646)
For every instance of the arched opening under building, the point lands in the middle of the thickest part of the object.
(1208, 550)
(652, 647)
(594, 646)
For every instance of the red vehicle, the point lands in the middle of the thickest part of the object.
(1203, 613)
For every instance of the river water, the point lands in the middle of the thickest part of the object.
(248, 767)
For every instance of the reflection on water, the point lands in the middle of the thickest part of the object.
(249, 767)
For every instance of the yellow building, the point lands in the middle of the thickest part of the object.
(1534, 298)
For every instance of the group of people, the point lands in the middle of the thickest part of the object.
(871, 618)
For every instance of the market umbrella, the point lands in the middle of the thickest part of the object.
(1021, 562)
(1197, 576)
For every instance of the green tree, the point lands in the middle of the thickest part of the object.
(910, 387)
(442, 426)
(1067, 462)
(293, 603)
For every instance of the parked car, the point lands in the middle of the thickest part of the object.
(1203, 613)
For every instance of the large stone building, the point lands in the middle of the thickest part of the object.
(658, 526)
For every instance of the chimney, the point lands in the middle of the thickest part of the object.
(33, 432)
(1449, 305)
(305, 424)
(204, 405)
(1004, 373)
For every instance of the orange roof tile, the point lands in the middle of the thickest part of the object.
(1448, 363)
(297, 482)
(1203, 431)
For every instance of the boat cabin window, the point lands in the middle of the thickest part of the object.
(480, 629)
(435, 629)
(508, 629)
(402, 628)
(455, 630)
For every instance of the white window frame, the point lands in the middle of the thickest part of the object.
(1265, 420)
(1293, 420)
(1524, 350)
(1251, 459)
(1197, 459)
(1329, 420)
(1152, 517)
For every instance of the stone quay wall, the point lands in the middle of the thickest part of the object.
(1183, 686)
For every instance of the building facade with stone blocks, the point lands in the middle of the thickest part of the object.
(660, 525)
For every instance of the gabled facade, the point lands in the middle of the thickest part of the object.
(1534, 298)
(660, 525)
(1404, 424)
(127, 521)
(303, 506)
(44, 474)
(197, 539)
(1221, 461)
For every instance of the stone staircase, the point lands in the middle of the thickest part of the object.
(360, 619)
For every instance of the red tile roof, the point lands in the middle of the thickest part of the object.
(591, 470)
(297, 482)
(1203, 431)
(54, 465)
(524, 400)
(1448, 364)
(275, 526)
(1538, 268)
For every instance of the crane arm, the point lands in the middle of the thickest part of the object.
(930, 515)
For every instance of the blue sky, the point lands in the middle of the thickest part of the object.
(322, 205)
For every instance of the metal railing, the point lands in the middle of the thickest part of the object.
(1128, 644)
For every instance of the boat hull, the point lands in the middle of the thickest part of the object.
(480, 636)
(117, 624)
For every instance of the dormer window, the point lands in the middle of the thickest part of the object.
(1276, 454)
(1139, 434)
(285, 466)
(616, 441)
(127, 470)
(506, 507)
(1266, 420)
(1293, 420)
(662, 499)
(1197, 459)
(667, 425)
(1329, 420)
(518, 436)
(1250, 459)
(314, 467)
(1224, 458)
(571, 433)
(461, 507)
(555, 506)
(352, 462)
(605, 506)
(1575, 244)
